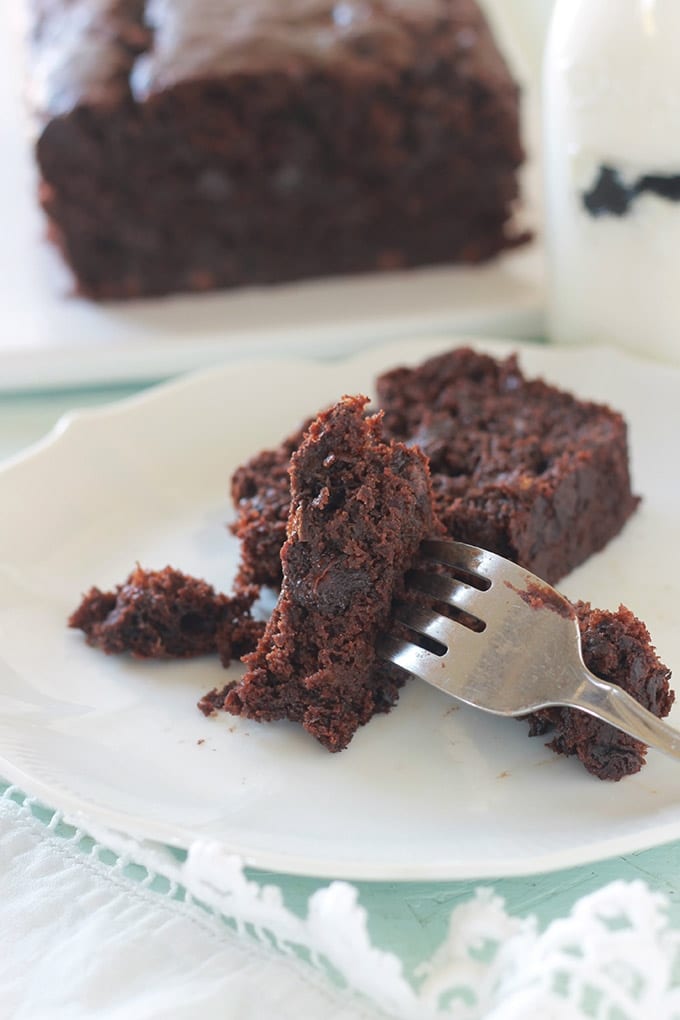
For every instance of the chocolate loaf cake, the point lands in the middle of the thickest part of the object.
(359, 510)
(193, 145)
(518, 466)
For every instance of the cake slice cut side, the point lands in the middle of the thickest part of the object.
(359, 509)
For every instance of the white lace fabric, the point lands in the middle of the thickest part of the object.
(198, 938)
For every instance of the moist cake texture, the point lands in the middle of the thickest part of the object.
(193, 144)
(164, 614)
(359, 510)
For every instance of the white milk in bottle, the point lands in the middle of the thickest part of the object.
(612, 174)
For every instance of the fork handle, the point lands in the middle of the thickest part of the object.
(613, 705)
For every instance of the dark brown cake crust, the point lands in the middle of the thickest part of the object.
(359, 510)
(165, 614)
(616, 647)
(186, 145)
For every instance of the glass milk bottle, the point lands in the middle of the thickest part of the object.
(612, 174)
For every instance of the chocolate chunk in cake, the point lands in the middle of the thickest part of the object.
(617, 648)
(188, 144)
(518, 467)
(359, 509)
(163, 614)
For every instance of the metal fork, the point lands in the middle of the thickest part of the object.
(514, 647)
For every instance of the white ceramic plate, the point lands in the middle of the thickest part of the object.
(50, 338)
(430, 790)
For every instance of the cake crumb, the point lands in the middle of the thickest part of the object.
(165, 614)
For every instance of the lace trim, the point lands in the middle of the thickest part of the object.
(614, 957)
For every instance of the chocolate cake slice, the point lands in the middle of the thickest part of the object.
(518, 467)
(187, 144)
(358, 512)
(616, 647)
(164, 614)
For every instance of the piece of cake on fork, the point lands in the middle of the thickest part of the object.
(359, 509)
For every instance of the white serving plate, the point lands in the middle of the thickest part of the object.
(50, 338)
(431, 790)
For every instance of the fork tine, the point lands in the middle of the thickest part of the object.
(448, 589)
(458, 555)
(424, 621)
(412, 658)
(429, 666)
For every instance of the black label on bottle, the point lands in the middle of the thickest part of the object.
(611, 195)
